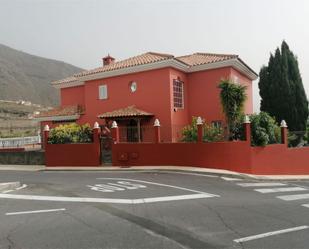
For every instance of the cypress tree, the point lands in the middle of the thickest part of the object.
(282, 91)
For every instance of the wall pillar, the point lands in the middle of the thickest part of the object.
(157, 131)
(115, 132)
(199, 124)
(247, 129)
(96, 133)
(45, 138)
(284, 132)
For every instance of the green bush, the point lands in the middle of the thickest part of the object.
(306, 136)
(70, 133)
(210, 133)
(264, 130)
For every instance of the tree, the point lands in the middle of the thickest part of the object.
(282, 91)
(232, 97)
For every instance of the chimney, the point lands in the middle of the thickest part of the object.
(108, 60)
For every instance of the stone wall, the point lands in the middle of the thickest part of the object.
(23, 158)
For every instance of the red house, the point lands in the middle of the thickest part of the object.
(137, 90)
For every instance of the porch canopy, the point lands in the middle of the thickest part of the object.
(128, 113)
(61, 114)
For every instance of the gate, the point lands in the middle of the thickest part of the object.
(106, 141)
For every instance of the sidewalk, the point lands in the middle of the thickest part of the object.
(21, 167)
(220, 172)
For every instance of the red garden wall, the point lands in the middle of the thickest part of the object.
(87, 154)
(233, 156)
(238, 156)
(279, 160)
(72, 155)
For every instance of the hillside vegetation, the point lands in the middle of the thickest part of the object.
(28, 77)
(16, 119)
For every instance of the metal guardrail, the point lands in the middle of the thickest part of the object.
(19, 141)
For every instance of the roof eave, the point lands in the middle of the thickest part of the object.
(58, 118)
(235, 63)
(125, 116)
(76, 82)
(135, 69)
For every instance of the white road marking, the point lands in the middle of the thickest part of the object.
(7, 191)
(102, 188)
(171, 198)
(21, 187)
(231, 179)
(106, 200)
(275, 190)
(158, 184)
(293, 197)
(306, 205)
(122, 181)
(119, 186)
(261, 184)
(37, 211)
(11, 190)
(263, 235)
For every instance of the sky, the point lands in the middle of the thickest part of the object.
(81, 32)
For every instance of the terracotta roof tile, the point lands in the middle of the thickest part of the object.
(65, 80)
(130, 111)
(142, 59)
(61, 111)
(151, 57)
(204, 58)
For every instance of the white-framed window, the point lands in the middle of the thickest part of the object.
(217, 124)
(178, 93)
(133, 86)
(103, 92)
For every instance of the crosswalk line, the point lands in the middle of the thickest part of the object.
(261, 184)
(275, 190)
(230, 179)
(264, 235)
(293, 197)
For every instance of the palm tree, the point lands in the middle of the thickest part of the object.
(233, 98)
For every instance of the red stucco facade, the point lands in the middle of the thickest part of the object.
(154, 94)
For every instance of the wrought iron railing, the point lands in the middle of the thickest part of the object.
(19, 141)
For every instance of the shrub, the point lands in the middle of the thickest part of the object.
(264, 129)
(306, 136)
(210, 133)
(70, 133)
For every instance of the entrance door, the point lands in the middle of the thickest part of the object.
(106, 148)
(133, 131)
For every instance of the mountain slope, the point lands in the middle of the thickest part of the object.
(28, 77)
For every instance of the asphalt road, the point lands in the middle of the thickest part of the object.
(151, 210)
